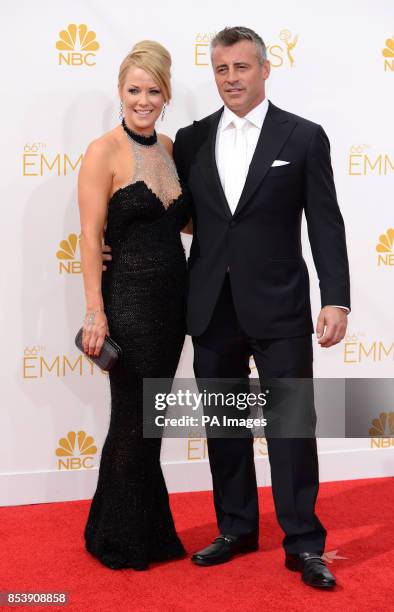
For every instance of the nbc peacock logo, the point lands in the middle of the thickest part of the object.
(382, 430)
(382, 426)
(388, 54)
(67, 255)
(77, 46)
(385, 248)
(76, 451)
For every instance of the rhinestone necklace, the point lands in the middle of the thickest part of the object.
(146, 141)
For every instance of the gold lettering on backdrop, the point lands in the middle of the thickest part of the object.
(377, 351)
(45, 162)
(382, 349)
(388, 164)
(27, 162)
(56, 362)
(382, 442)
(388, 52)
(78, 43)
(70, 267)
(73, 367)
(29, 364)
(73, 443)
(389, 65)
(361, 163)
(366, 352)
(197, 449)
(36, 366)
(278, 54)
(75, 463)
(39, 164)
(349, 351)
(386, 260)
(371, 165)
(68, 161)
(201, 50)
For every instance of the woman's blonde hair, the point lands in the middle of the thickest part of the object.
(152, 57)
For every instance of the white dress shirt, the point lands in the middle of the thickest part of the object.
(225, 138)
(225, 141)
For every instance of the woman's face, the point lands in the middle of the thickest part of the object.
(142, 100)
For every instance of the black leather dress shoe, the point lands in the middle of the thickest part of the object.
(224, 547)
(313, 569)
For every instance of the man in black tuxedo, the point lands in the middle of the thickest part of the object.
(252, 169)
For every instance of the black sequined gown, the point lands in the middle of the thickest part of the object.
(130, 522)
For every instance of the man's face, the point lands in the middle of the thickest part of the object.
(239, 76)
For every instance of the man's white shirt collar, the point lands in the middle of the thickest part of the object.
(256, 116)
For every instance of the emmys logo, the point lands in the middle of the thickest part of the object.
(381, 429)
(76, 450)
(363, 163)
(358, 350)
(279, 53)
(35, 365)
(385, 246)
(68, 262)
(78, 44)
(37, 162)
(201, 49)
(388, 54)
(197, 448)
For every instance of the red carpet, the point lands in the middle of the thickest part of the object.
(42, 549)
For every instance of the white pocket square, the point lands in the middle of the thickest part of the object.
(279, 162)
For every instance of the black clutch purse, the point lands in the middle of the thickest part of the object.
(109, 354)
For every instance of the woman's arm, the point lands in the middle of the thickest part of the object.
(94, 187)
(167, 142)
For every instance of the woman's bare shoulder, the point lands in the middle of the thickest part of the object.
(105, 146)
(166, 142)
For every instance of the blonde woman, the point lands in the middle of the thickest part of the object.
(130, 195)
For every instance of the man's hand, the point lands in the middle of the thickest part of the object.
(106, 251)
(331, 325)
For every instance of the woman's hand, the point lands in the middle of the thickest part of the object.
(106, 254)
(95, 328)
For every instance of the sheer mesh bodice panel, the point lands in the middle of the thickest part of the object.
(154, 167)
(144, 292)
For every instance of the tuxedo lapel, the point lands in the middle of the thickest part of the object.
(276, 129)
(207, 160)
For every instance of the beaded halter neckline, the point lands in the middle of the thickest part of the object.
(146, 141)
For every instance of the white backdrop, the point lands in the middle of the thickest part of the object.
(334, 65)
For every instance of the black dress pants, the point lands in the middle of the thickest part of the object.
(223, 351)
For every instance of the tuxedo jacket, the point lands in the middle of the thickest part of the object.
(261, 242)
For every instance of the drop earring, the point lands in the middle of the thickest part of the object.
(121, 110)
(164, 111)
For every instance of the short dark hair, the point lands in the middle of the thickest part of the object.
(230, 36)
